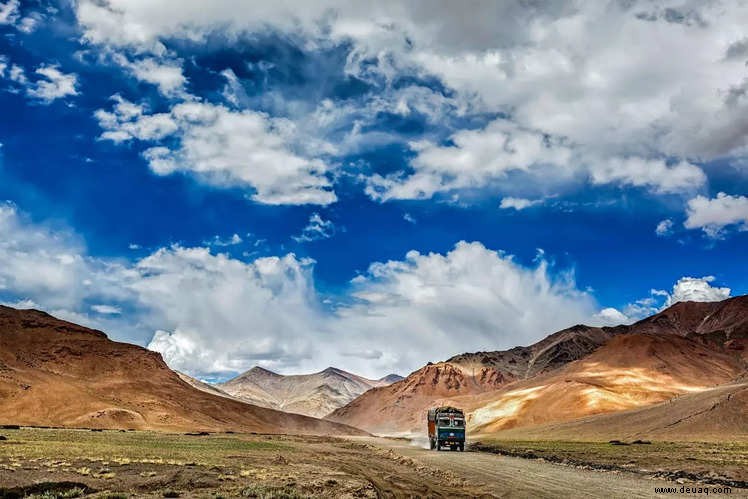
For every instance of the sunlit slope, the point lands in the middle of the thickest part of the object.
(55, 373)
(316, 394)
(579, 371)
(719, 413)
(629, 371)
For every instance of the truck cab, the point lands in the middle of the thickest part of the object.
(446, 426)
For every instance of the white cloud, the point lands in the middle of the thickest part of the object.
(41, 263)
(106, 309)
(165, 74)
(621, 84)
(430, 305)
(664, 228)
(410, 218)
(230, 241)
(226, 148)
(654, 174)
(478, 158)
(696, 289)
(9, 12)
(611, 317)
(223, 315)
(518, 203)
(685, 289)
(317, 228)
(210, 313)
(53, 84)
(714, 215)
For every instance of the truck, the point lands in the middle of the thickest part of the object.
(446, 428)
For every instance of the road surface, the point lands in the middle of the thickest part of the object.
(503, 476)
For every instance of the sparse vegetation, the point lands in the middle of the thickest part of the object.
(266, 492)
(141, 446)
(718, 461)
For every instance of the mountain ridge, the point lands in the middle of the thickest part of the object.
(717, 329)
(56, 373)
(316, 394)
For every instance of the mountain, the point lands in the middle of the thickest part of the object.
(314, 395)
(55, 373)
(575, 372)
(203, 386)
(701, 416)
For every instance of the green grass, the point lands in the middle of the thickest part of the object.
(133, 446)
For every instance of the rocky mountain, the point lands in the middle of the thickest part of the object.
(314, 395)
(55, 373)
(575, 372)
(711, 414)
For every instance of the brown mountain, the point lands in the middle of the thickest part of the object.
(711, 414)
(575, 372)
(314, 395)
(55, 373)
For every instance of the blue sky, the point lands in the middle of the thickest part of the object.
(297, 185)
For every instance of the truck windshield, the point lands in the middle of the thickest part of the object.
(459, 423)
(444, 422)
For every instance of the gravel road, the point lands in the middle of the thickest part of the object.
(502, 476)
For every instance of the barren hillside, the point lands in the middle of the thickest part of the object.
(315, 394)
(56, 373)
(578, 371)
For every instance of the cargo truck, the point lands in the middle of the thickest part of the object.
(446, 428)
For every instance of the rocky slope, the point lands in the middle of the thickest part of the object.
(315, 394)
(55, 373)
(572, 373)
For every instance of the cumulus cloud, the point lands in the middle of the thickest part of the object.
(9, 11)
(611, 317)
(220, 315)
(715, 215)
(695, 289)
(224, 147)
(46, 265)
(478, 158)
(106, 309)
(211, 314)
(664, 228)
(47, 84)
(684, 289)
(166, 75)
(471, 298)
(53, 84)
(317, 228)
(518, 203)
(586, 78)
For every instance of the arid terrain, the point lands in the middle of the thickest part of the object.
(73, 463)
(575, 373)
(316, 394)
(55, 373)
(627, 410)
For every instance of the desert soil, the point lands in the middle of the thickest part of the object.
(116, 464)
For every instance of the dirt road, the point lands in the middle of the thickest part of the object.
(503, 476)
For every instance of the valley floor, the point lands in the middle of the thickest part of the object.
(113, 464)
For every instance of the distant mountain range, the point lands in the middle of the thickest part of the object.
(577, 372)
(680, 374)
(314, 395)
